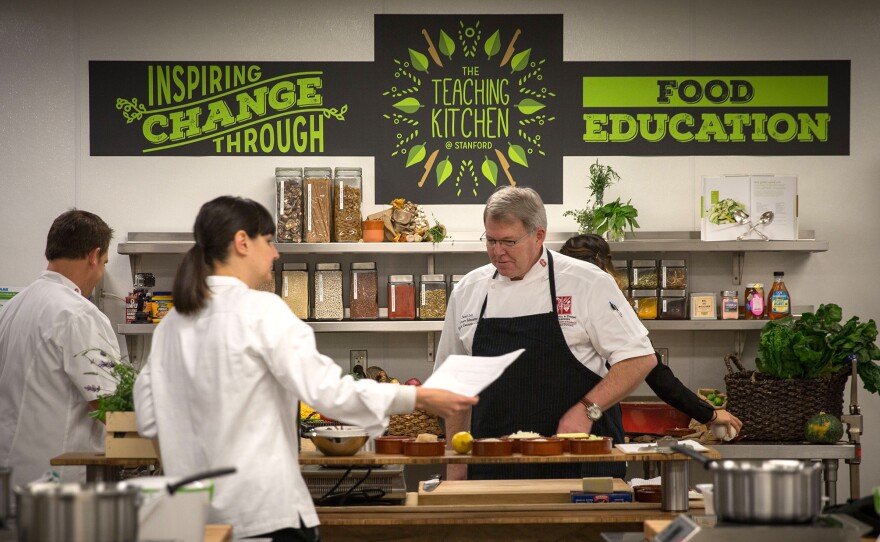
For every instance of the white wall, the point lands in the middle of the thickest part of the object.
(45, 165)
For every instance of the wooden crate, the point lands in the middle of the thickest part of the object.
(123, 439)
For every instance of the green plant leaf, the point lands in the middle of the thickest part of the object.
(517, 154)
(446, 45)
(490, 170)
(520, 61)
(416, 154)
(493, 44)
(408, 105)
(419, 61)
(443, 170)
(529, 106)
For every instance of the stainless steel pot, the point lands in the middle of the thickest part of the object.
(73, 513)
(5, 495)
(770, 491)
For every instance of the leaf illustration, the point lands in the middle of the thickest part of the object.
(419, 61)
(415, 155)
(409, 105)
(529, 106)
(443, 171)
(446, 44)
(490, 170)
(517, 154)
(519, 62)
(493, 44)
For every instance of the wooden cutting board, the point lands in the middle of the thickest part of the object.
(654, 526)
(506, 491)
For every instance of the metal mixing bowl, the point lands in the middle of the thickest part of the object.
(338, 441)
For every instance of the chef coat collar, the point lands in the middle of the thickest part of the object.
(538, 271)
(218, 281)
(57, 277)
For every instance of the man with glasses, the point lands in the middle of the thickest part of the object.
(564, 313)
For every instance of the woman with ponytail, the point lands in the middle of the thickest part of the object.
(227, 367)
(595, 250)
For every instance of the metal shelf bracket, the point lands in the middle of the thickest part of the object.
(739, 259)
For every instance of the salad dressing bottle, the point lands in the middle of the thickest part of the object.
(778, 300)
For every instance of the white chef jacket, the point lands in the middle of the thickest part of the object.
(43, 396)
(220, 389)
(596, 320)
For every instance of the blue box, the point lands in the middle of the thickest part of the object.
(581, 497)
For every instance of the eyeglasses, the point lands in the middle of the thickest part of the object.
(505, 243)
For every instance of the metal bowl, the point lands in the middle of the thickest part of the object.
(338, 441)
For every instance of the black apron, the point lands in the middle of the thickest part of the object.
(535, 391)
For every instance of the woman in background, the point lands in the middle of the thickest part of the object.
(593, 249)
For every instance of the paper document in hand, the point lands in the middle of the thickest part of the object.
(469, 375)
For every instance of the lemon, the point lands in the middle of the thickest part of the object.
(462, 442)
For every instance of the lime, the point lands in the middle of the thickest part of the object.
(462, 442)
(718, 401)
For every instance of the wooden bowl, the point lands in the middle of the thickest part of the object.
(647, 493)
(501, 447)
(583, 446)
(390, 445)
(542, 446)
(420, 449)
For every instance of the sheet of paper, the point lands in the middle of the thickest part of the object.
(469, 375)
(651, 448)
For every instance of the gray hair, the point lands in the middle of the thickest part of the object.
(510, 203)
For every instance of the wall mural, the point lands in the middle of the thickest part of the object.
(456, 105)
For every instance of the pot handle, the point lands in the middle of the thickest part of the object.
(693, 454)
(172, 488)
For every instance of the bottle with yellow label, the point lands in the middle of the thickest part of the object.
(778, 300)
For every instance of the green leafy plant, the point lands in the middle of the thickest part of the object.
(817, 346)
(615, 218)
(116, 370)
(601, 177)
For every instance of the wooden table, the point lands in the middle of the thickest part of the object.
(100, 468)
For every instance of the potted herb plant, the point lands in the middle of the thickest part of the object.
(612, 219)
(599, 218)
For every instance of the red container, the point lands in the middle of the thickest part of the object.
(390, 445)
(652, 418)
(542, 446)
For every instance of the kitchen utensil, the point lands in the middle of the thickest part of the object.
(338, 440)
(5, 504)
(769, 491)
(765, 218)
(742, 217)
(431, 483)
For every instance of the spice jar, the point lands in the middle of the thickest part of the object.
(317, 206)
(673, 274)
(453, 282)
(288, 204)
(347, 204)
(643, 275)
(401, 297)
(295, 288)
(729, 305)
(673, 305)
(432, 297)
(328, 292)
(754, 300)
(363, 293)
(622, 268)
(645, 302)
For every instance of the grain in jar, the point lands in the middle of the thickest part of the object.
(645, 303)
(673, 274)
(673, 305)
(622, 268)
(401, 297)
(643, 275)
(317, 205)
(288, 204)
(363, 292)
(295, 288)
(347, 205)
(328, 292)
(432, 297)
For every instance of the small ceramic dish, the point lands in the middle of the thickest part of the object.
(585, 446)
(647, 493)
(390, 445)
(492, 447)
(414, 448)
(542, 446)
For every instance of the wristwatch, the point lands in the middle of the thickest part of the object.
(594, 411)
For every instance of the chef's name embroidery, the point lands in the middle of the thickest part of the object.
(467, 320)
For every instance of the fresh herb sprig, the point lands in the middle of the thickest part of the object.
(116, 370)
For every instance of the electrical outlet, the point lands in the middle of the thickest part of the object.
(358, 357)
(664, 355)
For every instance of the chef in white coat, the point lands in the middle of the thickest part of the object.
(227, 367)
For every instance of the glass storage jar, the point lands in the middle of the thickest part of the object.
(288, 204)
(295, 288)
(347, 204)
(328, 292)
(401, 297)
(432, 297)
(622, 268)
(317, 205)
(673, 274)
(645, 303)
(643, 275)
(673, 305)
(729, 305)
(363, 292)
(453, 282)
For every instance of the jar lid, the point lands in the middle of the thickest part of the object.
(672, 263)
(347, 172)
(327, 267)
(296, 267)
(750, 285)
(778, 273)
(644, 263)
(288, 172)
(673, 293)
(644, 293)
(363, 265)
(456, 278)
(728, 293)
(400, 278)
(619, 264)
(316, 172)
(433, 278)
